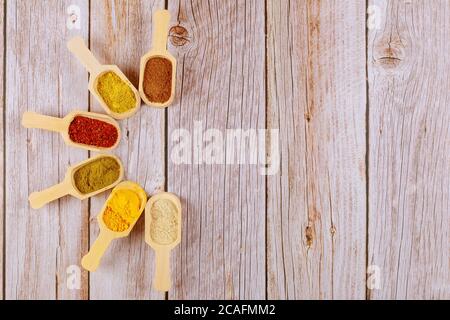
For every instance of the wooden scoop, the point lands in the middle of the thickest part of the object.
(67, 186)
(161, 19)
(78, 48)
(92, 259)
(161, 280)
(61, 125)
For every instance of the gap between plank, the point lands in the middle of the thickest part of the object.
(367, 147)
(4, 155)
(89, 155)
(166, 131)
(266, 101)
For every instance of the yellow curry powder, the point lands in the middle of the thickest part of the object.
(122, 210)
(116, 93)
(164, 226)
(96, 175)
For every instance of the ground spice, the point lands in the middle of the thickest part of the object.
(157, 82)
(164, 226)
(116, 93)
(92, 132)
(96, 175)
(122, 210)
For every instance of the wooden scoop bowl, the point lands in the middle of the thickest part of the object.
(78, 48)
(92, 259)
(67, 186)
(161, 280)
(61, 125)
(161, 19)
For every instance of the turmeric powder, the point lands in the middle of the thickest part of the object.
(122, 210)
(116, 93)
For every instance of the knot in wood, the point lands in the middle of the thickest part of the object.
(179, 36)
(308, 116)
(390, 55)
(309, 236)
(333, 230)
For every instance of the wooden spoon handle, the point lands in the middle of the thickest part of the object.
(92, 259)
(78, 48)
(161, 19)
(35, 120)
(41, 198)
(161, 280)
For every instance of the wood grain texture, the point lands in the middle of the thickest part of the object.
(317, 99)
(2, 141)
(409, 81)
(311, 231)
(43, 77)
(220, 82)
(120, 35)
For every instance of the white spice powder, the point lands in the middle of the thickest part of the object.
(164, 225)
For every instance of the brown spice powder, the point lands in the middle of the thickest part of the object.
(158, 80)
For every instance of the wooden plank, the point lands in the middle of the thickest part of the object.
(121, 34)
(2, 142)
(42, 76)
(317, 99)
(220, 50)
(409, 145)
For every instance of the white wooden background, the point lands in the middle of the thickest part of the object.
(364, 143)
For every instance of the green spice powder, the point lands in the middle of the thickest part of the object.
(116, 93)
(96, 175)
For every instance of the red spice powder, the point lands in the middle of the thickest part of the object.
(92, 132)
